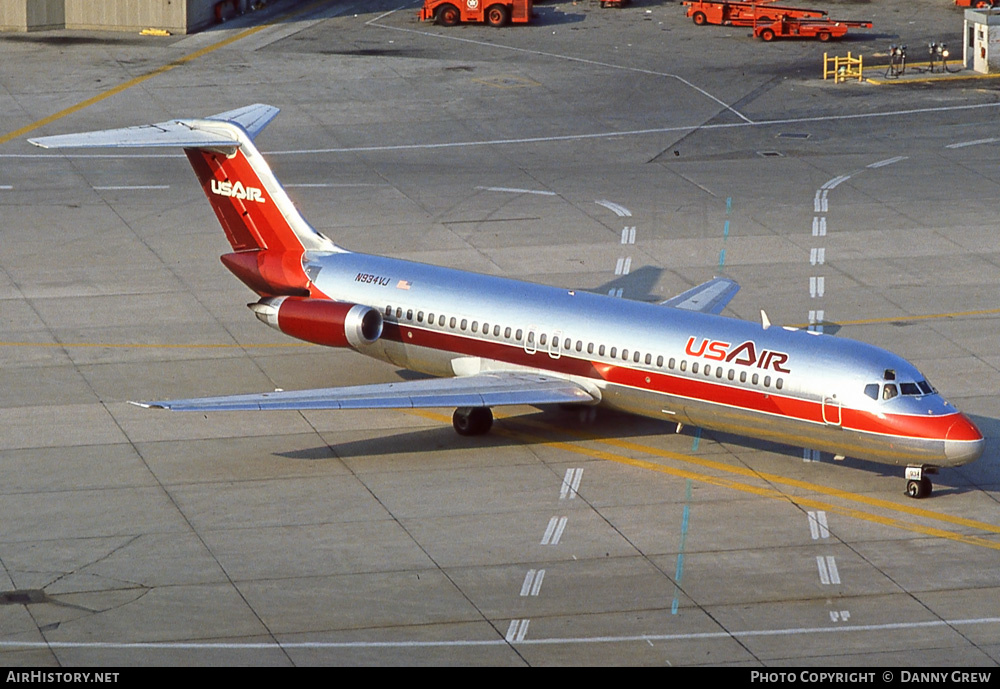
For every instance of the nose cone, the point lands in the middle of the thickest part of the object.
(963, 442)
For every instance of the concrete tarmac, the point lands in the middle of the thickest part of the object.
(625, 151)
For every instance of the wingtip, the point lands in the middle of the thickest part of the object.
(147, 405)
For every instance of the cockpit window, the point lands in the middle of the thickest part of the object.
(891, 390)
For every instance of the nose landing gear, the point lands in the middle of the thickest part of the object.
(917, 484)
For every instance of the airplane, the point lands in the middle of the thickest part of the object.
(492, 341)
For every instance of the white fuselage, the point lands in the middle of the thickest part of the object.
(789, 385)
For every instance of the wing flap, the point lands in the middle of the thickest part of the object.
(482, 390)
(708, 297)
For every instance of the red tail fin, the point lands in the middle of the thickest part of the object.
(249, 216)
(265, 230)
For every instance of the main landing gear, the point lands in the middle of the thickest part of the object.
(472, 420)
(917, 484)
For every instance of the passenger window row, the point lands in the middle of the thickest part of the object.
(443, 321)
(567, 344)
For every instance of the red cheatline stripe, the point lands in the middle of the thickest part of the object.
(918, 427)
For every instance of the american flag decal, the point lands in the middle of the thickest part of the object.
(403, 284)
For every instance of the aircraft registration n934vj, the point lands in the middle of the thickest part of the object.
(523, 343)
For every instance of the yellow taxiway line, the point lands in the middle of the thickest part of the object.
(156, 72)
(903, 319)
(761, 491)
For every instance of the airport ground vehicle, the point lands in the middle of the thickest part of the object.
(821, 29)
(493, 12)
(704, 12)
(977, 3)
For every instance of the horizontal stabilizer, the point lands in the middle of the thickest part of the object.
(481, 390)
(708, 297)
(249, 202)
(183, 133)
(253, 118)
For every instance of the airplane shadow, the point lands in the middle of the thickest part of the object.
(637, 285)
(571, 424)
(983, 474)
(411, 442)
(552, 16)
(568, 423)
(510, 432)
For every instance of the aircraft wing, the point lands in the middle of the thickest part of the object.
(708, 297)
(481, 390)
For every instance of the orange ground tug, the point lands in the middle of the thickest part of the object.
(493, 12)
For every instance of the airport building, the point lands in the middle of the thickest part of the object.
(175, 16)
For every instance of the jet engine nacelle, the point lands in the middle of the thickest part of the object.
(321, 321)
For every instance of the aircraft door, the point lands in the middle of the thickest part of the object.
(554, 351)
(831, 411)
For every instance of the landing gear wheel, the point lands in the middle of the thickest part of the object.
(472, 420)
(448, 15)
(497, 15)
(918, 489)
